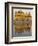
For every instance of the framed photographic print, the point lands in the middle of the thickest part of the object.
(20, 22)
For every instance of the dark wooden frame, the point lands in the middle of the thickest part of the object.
(7, 15)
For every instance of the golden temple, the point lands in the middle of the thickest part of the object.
(22, 21)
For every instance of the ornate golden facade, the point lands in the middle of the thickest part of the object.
(22, 21)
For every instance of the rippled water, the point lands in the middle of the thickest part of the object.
(26, 33)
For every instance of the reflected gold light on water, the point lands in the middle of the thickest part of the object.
(22, 21)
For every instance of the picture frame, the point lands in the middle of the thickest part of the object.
(20, 22)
